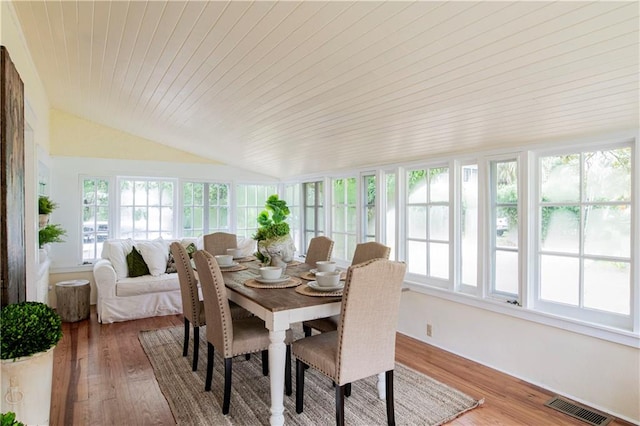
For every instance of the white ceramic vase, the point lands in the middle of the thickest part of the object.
(277, 251)
(26, 387)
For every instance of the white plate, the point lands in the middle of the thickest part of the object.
(229, 266)
(273, 281)
(314, 285)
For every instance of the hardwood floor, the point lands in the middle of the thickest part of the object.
(103, 377)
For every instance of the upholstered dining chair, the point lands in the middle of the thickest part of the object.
(320, 248)
(364, 343)
(231, 336)
(363, 253)
(192, 306)
(218, 242)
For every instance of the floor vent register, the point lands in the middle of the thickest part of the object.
(580, 412)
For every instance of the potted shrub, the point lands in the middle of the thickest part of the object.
(45, 207)
(30, 331)
(275, 245)
(51, 234)
(9, 419)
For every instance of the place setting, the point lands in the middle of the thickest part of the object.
(322, 266)
(238, 256)
(328, 284)
(272, 277)
(227, 264)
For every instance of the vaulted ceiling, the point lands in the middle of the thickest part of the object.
(293, 88)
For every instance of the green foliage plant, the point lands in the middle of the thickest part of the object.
(46, 205)
(52, 233)
(272, 220)
(9, 419)
(28, 328)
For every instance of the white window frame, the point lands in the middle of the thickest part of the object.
(206, 220)
(619, 321)
(428, 278)
(356, 234)
(110, 207)
(176, 206)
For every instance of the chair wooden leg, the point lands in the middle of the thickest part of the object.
(196, 347)
(307, 330)
(299, 386)
(207, 382)
(347, 390)
(227, 385)
(185, 345)
(340, 405)
(391, 419)
(287, 372)
(265, 363)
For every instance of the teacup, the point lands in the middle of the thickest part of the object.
(328, 279)
(234, 252)
(326, 266)
(224, 260)
(270, 272)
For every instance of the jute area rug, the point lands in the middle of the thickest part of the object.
(419, 400)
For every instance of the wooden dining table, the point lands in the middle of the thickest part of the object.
(279, 308)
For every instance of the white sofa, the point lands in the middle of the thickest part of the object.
(121, 298)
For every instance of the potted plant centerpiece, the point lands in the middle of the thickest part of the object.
(30, 331)
(275, 245)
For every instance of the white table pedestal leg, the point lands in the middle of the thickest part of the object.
(277, 354)
(382, 390)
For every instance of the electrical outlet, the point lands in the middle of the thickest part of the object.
(429, 330)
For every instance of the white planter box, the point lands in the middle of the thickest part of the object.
(26, 387)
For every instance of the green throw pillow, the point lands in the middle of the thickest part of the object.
(191, 248)
(136, 264)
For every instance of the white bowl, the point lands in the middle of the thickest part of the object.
(326, 266)
(270, 272)
(236, 253)
(224, 259)
(328, 279)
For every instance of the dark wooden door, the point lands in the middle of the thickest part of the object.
(12, 190)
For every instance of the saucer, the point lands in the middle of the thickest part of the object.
(229, 266)
(314, 285)
(273, 281)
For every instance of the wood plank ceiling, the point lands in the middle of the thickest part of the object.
(295, 88)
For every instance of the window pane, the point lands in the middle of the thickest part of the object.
(417, 182)
(561, 229)
(507, 182)
(439, 185)
(339, 217)
(371, 221)
(439, 260)
(560, 178)
(607, 286)
(439, 223)
(608, 175)
(416, 257)
(391, 214)
(351, 219)
(417, 222)
(469, 225)
(507, 227)
(506, 272)
(560, 279)
(608, 230)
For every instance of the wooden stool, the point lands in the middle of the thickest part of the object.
(73, 300)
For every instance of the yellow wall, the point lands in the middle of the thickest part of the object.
(36, 101)
(72, 136)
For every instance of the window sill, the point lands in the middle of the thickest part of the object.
(71, 269)
(621, 337)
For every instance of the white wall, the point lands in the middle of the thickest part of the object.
(66, 173)
(601, 374)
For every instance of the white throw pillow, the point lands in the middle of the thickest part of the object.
(155, 255)
(117, 251)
